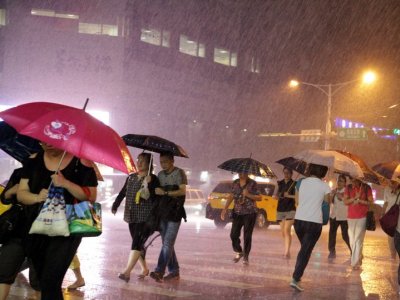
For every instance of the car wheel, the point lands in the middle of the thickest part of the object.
(219, 223)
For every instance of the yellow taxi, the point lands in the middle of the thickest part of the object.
(267, 207)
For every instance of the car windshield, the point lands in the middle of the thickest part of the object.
(224, 187)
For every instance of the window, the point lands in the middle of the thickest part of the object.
(155, 37)
(255, 65)
(225, 57)
(2, 17)
(191, 47)
(103, 29)
(223, 187)
(52, 13)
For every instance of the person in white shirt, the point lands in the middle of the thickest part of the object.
(310, 194)
(338, 217)
(389, 197)
(397, 240)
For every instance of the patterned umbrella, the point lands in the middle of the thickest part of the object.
(294, 164)
(247, 166)
(72, 130)
(390, 170)
(154, 143)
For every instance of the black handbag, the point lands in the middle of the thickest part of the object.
(9, 221)
(371, 224)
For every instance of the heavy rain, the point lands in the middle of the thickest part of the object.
(223, 79)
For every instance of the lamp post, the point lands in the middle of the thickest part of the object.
(330, 90)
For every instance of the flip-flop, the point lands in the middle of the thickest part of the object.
(75, 285)
(123, 277)
(143, 275)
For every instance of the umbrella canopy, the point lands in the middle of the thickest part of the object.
(294, 164)
(332, 159)
(17, 146)
(368, 174)
(390, 170)
(247, 166)
(72, 130)
(154, 143)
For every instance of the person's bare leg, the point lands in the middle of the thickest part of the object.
(288, 237)
(282, 225)
(4, 290)
(135, 256)
(79, 280)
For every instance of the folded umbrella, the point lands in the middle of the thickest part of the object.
(247, 166)
(154, 143)
(72, 130)
(390, 170)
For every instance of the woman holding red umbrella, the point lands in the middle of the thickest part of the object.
(51, 256)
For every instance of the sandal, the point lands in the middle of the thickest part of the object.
(76, 285)
(143, 275)
(123, 277)
(237, 257)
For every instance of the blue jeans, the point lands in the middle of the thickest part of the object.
(169, 231)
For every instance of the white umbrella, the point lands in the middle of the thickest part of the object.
(331, 159)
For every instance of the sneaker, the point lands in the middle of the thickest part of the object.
(332, 255)
(172, 276)
(157, 276)
(237, 257)
(296, 285)
(245, 261)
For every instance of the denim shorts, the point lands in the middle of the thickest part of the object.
(285, 215)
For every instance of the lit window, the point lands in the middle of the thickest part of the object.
(225, 57)
(111, 30)
(155, 37)
(191, 47)
(2, 17)
(52, 13)
(43, 12)
(255, 65)
(91, 28)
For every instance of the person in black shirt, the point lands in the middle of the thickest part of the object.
(286, 208)
(51, 256)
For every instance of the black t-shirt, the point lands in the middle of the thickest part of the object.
(39, 177)
(286, 204)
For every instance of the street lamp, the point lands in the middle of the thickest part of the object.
(330, 90)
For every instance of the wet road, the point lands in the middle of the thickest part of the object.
(207, 270)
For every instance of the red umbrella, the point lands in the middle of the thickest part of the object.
(73, 130)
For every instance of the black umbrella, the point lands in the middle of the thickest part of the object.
(247, 166)
(294, 164)
(154, 143)
(16, 145)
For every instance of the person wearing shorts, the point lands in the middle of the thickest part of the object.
(286, 208)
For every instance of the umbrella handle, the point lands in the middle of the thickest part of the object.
(58, 167)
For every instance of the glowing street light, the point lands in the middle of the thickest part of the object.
(330, 90)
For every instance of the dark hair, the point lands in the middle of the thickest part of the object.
(289, 170)
(168, 155)
(147, 157)
(343, 177)
(317, 170)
